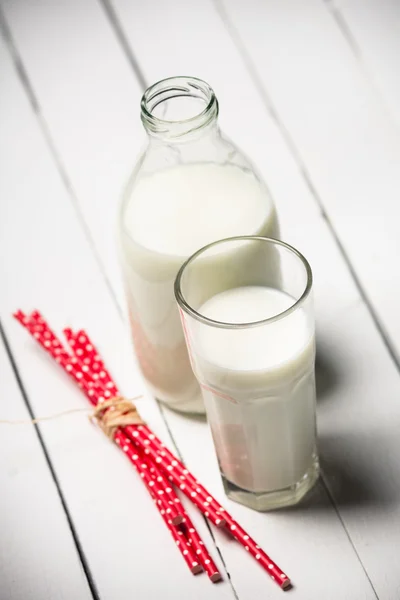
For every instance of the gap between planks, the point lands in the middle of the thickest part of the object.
(345, 29)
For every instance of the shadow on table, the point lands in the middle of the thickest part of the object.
(358, 471)
(327, 375)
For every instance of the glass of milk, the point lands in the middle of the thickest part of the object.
(246, 309)
(191, 186)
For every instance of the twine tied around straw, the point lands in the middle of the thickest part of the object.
(114, 413)
(108, 415)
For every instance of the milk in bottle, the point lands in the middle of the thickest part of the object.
(191, 186)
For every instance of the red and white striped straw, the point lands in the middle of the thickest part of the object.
(201, 551)
(190, 532)
(182, 544)
(173, 467)
(157, 488)
(163, 507)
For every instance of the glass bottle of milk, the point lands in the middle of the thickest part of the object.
(191, 186)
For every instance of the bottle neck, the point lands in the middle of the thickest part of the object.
(179, 109)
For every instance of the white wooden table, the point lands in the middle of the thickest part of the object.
(311, 91)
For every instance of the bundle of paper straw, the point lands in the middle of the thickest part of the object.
(160, 471)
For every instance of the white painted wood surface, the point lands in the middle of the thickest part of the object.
(372, 31)
(319, 127)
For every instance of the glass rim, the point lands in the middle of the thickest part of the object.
(169, 82)
(185, 306)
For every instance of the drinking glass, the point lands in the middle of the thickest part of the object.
(247, 314)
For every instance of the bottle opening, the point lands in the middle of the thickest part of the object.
(177, 106)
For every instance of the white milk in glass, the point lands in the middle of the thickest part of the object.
(170, 215)
(259, 389)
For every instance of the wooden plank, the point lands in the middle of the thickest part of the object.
(372, 29)
(315, 531)
(38, 557)
(50, 266)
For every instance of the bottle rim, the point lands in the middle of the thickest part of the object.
(175, 87)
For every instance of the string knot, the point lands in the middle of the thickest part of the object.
(114, 413)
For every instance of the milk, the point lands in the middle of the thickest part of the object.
(167, 217)
(258, 386)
